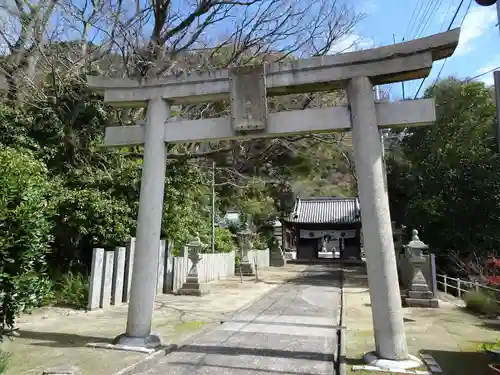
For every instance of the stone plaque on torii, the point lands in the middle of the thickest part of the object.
(247, 88)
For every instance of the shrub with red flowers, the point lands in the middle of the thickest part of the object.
(493, 280)
(491, 271)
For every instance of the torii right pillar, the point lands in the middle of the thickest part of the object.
(387, 313)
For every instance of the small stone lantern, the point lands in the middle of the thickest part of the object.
(245, 238)
(192, 286)
(419, 294)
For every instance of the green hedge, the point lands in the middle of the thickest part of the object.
(25, 234)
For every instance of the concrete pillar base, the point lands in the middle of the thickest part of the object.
(246, 269)
(150, 342)
(191, 288)
(277, 262)
(373, 359)
(276, 258)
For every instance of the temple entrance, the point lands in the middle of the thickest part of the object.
(246, 89)
(326, 228)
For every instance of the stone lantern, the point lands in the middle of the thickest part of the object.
(245, 239)
(419, 294)
(192, 286)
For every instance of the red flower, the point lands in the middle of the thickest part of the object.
(495, 280)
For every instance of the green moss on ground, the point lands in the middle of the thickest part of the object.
(189, 326)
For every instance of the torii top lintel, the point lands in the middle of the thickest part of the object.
(388, 64)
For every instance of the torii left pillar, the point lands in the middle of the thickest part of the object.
(143, 289)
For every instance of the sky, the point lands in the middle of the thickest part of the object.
(388, 20)
(479, 46)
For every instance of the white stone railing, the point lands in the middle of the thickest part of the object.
(111, 272)
(211, 267)
(449, 284)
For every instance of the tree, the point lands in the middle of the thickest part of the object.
(445, 179)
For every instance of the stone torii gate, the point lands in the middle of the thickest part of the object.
(247, 88)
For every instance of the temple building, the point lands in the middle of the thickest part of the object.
(326, 225)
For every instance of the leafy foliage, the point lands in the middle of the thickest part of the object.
(445, 179)
(25, 234)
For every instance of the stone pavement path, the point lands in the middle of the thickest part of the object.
(291, 330)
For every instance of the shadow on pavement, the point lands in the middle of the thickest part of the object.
(491, 324)
(239, 368)
(316, 275)
(465, 363)
(355, 277)
(261, 352)
(59, 340)
(295, 324)
(320, 276)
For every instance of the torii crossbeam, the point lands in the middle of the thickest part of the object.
(247, 89)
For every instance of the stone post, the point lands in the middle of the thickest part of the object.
(276, 253)
(390, 339)
(192, 286)
(143, 287)
(419, 294)
(278, 232)
(245, 240)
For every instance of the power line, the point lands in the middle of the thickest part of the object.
(482, 74)
(446, 15)
(428, 14)
(461, 23)
(423, 14)
(449, 28)
(434, 11)
(413, 19)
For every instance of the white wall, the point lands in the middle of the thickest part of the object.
(212, 267)
(260, 258)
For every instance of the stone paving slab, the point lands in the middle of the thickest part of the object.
(56, 337)
(449, 334)
(289, 331)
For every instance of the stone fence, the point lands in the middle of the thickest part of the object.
(111, 272)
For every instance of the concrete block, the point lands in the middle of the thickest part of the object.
(107, 279)
(96, 279)
(168, 273)
(248, 98)
(129, 265)
(161, 266)
(417, 302)
(118, 275)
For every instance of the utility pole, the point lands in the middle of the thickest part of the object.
(402, 82)
(213, 206)
(496, 76)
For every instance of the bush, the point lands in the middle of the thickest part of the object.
(72, 290)
(480, 302)
(25, 234)
(223, 240)
(86, 219)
